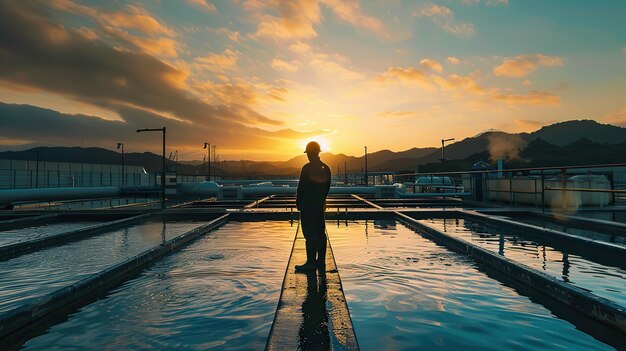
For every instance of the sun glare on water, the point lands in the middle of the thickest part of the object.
(324, 144)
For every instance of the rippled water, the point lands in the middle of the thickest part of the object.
(30, 233)
(590, 234)
(604, 281)
(406, 293)
(218, 293)
(47, 270)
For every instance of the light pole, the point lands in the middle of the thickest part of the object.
(366, 182)
(121, 145)
(163, 175)
(207, 146)
(443, 155)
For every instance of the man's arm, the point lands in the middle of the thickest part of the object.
(327, 178)
(300, 186)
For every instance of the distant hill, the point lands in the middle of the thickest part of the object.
(587, 141)
(564, 133)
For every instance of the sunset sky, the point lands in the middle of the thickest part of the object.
(260, 78)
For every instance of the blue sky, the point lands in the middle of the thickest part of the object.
(260, 78)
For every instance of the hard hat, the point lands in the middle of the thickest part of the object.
(312, 147)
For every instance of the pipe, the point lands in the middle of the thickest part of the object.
(10, 196)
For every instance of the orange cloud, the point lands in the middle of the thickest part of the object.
(299, 47)
(298, 17)
(537, 98)
(135, 17)
(350, 12)
(232, 35)
(431, 65)
(281, 65)
(296, 20)
(226, 61)
(444, 18)
(522, 65)
(322, 62)
(203, 4)
(453, 60)
(410, 74)
(457, 82)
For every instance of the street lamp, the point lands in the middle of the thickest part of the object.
(121, 145)
(163, 175)
(207, 146)
(443, 155)
(366, 182)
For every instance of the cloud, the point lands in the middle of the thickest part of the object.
(431, 65)
(453, 60)
(465, 84)
(142, 89)
(43, 126)
(281, 65)
(154, 37)
(496, 2)
(404, 114)
(232, 35)
(203, 4)
(322, 62)
(299, 47)
(537, 98)
(350, 11)
(444, 18)
(457, 82)
(410, 75)
(522, 65)
(226, 61)
(298, 18)
(487, 2)
(135, 17)
(624, 49)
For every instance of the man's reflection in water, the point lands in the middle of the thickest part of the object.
(314, 328)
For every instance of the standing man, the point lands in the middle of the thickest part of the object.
(313, 188)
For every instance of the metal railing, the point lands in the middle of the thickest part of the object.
(543, 181)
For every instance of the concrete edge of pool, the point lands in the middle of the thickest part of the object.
(589, 304)
(27, 221)
(601, 251)
(83, 292)
(329, 324)
(21, 248)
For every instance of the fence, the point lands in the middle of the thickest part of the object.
(568, 186)
(21, 174)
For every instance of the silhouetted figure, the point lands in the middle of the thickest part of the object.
(311, 202)
(313, 333)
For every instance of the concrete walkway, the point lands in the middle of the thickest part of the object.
(312, 312)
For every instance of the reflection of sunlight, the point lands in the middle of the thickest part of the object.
(324, 144)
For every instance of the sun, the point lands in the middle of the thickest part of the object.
(324, 144)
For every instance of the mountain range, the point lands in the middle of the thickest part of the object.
(600, 140)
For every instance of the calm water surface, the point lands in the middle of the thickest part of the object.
(219, 293)
(406, 293)
(24, 234)
(605, 281)
(590, 234)
(41, 272)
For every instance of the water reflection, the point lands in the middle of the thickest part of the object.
(407, 293)
(603, 280)
(313, 333)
